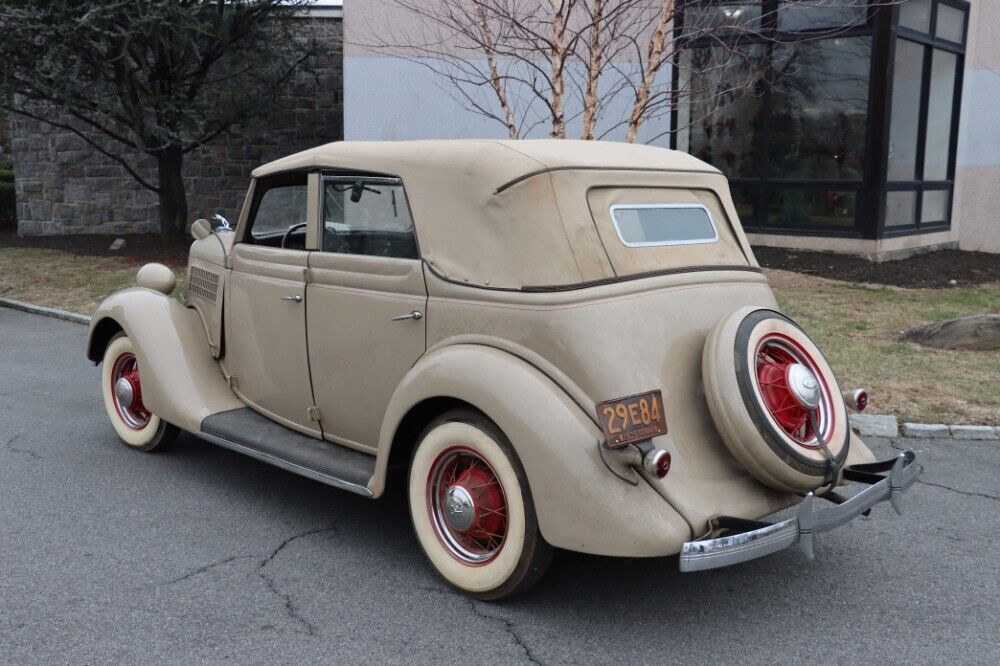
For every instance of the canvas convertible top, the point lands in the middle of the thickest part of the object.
(519, 214)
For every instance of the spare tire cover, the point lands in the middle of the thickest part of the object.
(746, 365)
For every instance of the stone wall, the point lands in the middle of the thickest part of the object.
(4, 138)
(65, 186)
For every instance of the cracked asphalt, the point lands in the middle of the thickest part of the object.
(199, 555)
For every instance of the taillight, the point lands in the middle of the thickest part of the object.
(657, 463)
(856, 399)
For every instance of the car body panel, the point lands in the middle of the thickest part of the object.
(581, 504)
(357, 353)
(182, 382)
(532, 311)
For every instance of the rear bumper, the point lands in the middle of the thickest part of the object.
(754, 540)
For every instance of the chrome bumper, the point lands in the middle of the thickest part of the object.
(808, 521)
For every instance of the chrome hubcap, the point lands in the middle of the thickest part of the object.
(804, 386)
(459, 509)
(124, 392)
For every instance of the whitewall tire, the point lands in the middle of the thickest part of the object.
(472, 509)
(121, 387)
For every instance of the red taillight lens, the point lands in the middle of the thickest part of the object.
(657, 463)
(662, 465)
(860, 400)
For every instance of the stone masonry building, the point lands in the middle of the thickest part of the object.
(65, 186)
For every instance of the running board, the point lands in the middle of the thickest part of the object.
(245, 431)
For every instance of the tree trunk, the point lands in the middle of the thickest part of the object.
(173, 198)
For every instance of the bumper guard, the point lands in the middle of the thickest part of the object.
(748, 540)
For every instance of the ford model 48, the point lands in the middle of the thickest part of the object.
(551, 344)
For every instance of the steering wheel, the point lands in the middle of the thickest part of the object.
(291, 230)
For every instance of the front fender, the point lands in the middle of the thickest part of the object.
(581, 505)
(181, 382)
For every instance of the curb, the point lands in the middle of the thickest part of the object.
(877, 425)
(56, 313)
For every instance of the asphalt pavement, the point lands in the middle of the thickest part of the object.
(199, 555)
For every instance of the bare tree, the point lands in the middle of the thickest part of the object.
(157, 78)
(553, 62)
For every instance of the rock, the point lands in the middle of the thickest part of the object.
(874, 425)
(974, 432)
(929, 430)
(974, 333)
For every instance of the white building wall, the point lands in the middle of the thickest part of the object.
(388, 96)
(976, 209)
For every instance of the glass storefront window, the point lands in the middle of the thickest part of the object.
(803, 15)
(904, 124)
(713, 16)
(811, 208)
(724, 110)
(937, 143)
(950, 23)
(783, 109)
(934, 206)
(819, 109)
(916, 15)
(900, 209)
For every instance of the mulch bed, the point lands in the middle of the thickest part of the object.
(140, 248)
(946, 268)
(942, 269)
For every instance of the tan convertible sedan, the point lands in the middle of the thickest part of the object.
(552, 344)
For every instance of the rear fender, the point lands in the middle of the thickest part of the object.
(581, 504)
(181, 382)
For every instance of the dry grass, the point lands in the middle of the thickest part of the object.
(856, 325)
(64, 280)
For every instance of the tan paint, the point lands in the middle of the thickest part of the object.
(181, 382)
(487, 214)
(266, 333)
(580, 504)
(357, 354)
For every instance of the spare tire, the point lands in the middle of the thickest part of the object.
(753, 366)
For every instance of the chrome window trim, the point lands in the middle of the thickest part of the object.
(694, 241)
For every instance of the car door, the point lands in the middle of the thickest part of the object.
(366, 298)
(265, 355)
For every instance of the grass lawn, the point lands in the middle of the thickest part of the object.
(64, 280)
(856, 325)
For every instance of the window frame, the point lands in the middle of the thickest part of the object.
(262, 186)
(882, 26)
(350, 177)
(687, 206)
(929, 42)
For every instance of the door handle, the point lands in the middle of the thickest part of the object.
(296, 298)
(415, 315)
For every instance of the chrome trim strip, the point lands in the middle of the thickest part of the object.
(728, 550)
(286, 465)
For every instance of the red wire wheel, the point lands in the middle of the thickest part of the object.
(760, 371)
(776, 355)
(126, 391)
(467, 505)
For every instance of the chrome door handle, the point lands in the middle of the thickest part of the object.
(296, 298)
(415, 315)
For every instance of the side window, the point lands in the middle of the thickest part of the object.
(367, 216)
(279, 212)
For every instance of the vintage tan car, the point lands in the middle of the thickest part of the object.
(553, 344)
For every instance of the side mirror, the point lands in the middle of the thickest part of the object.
(201, 229)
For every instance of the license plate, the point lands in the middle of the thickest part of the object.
(632, 419)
